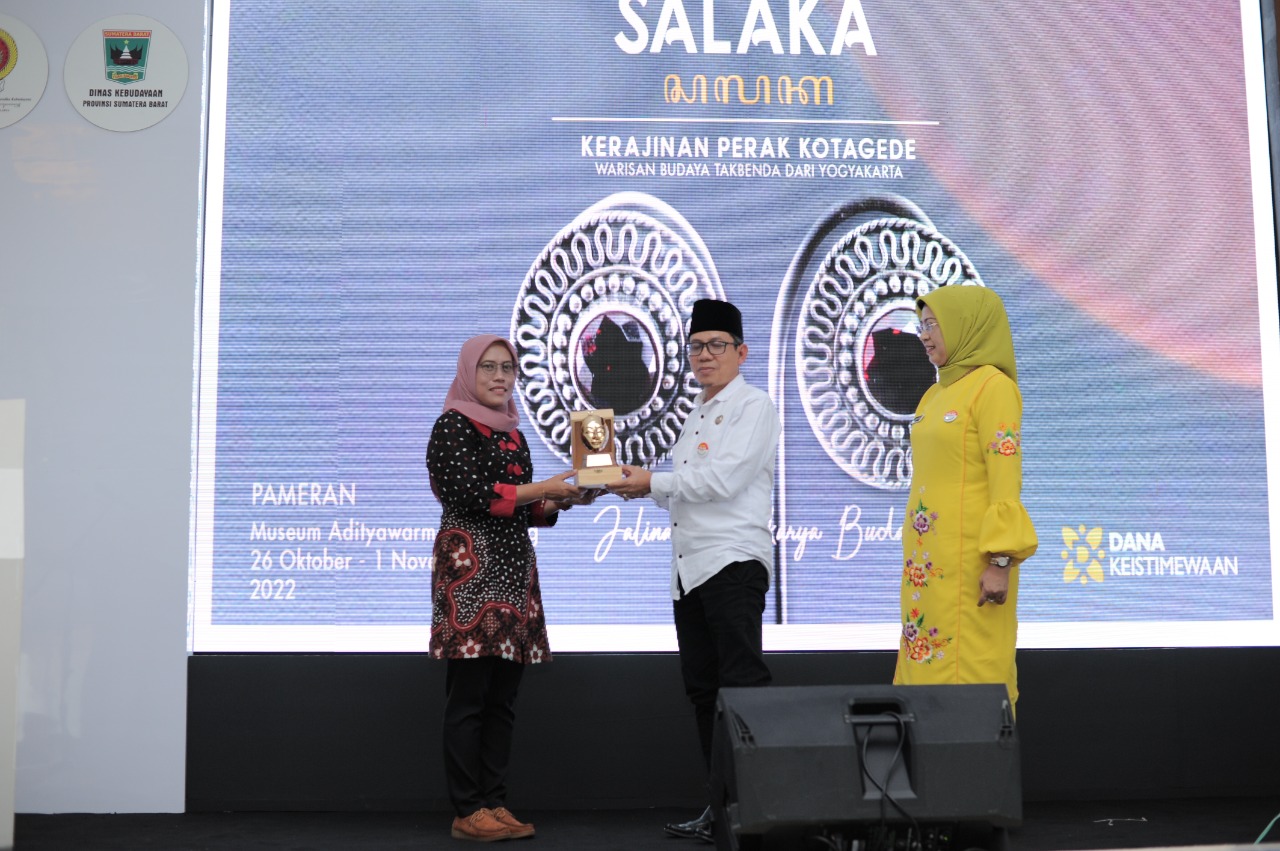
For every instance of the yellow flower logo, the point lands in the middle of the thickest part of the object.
(1083, 554)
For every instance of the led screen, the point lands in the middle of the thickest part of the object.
(388, 179)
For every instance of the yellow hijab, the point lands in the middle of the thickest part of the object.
(975, 330)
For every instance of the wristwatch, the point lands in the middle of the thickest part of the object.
(1001, 561)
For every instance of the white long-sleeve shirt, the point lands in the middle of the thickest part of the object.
(720, 492)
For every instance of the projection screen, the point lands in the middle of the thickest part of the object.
(388, 179)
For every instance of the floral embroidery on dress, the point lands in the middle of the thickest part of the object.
(922, 519)
(919, 569)
(922, 645)
(1008, 441)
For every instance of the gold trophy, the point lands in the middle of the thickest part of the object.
(594, 458)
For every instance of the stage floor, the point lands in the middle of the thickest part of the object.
(1058, 826)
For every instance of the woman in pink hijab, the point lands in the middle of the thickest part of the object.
(487, 619)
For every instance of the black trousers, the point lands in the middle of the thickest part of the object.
(718, 628)
(479, 723)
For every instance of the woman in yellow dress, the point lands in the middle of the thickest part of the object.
(966, 530)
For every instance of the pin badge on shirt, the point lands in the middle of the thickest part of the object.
(703, 449)
(719, 419)
(949, 417)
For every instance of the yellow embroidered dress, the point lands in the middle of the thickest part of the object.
(964, 504)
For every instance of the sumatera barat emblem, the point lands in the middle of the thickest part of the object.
(125, 53)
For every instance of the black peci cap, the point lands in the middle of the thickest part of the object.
(712, 315)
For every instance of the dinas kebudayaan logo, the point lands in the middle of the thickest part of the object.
(1083, 554)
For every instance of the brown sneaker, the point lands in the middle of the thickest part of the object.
(519, 830)
(480, 826)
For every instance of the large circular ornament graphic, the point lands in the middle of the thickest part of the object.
(860, 368)
(600, 321)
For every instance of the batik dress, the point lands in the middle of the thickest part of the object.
(485, 595)
(965, 503)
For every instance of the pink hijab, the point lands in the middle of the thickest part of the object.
(462, 393)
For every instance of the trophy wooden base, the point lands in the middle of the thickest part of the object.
(597, 477)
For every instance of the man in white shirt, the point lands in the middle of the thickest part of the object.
(720, 498)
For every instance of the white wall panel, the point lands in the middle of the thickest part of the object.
(98, 278)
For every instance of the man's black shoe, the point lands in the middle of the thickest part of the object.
(703, 827)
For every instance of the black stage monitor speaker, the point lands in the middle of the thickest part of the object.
(900, 767)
